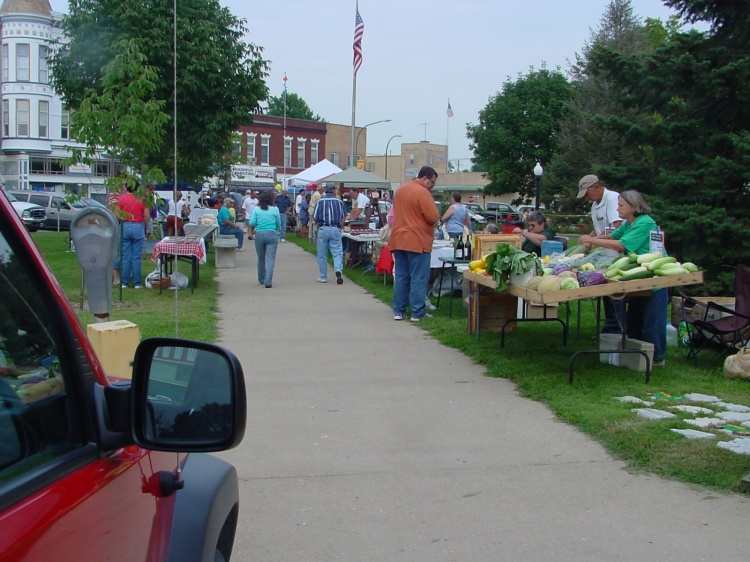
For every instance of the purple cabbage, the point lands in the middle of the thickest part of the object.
(588, 278)
(557, 269)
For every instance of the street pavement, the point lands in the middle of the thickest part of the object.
(369, 441)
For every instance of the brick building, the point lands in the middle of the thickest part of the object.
(263, 143)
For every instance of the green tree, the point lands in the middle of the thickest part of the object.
(296, 107)
(585, 146)
(124, 121)
(689, 126)
(517, 127)
(220, 77)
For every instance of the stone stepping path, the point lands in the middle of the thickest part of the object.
(723, 417)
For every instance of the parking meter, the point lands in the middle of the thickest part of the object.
(96, 236)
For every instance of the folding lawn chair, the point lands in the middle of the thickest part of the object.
(728, 333)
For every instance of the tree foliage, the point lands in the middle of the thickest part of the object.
(220, 77)
(519, 127)
(296, 107)
(688, 128)
(585, 146)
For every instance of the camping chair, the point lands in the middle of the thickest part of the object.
(728, 333)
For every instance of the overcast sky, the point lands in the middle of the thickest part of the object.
(417, 54)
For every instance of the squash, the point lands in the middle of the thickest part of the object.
(568, 275)
(549, 283)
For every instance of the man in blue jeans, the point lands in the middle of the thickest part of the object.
(415, 217)
(282, 204)
(329, 216)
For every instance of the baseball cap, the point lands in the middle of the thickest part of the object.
(585, 182)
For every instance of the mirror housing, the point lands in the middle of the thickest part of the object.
(186, 396)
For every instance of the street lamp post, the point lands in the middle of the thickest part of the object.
(386, 155)
(355, 148)
(538, 173)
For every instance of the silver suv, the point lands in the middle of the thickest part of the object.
(32, 216)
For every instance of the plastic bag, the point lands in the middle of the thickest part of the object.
(737, 366)
(179, 280)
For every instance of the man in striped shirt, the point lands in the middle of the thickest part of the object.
(329, 216)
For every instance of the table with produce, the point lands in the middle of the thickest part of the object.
(574, 276)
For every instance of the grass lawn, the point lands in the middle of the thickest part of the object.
(535, 360)
(154, 313)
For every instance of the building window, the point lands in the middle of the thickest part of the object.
(43, 119)
(56, 166)
(65, 124)
(301, 152)
(251, 148)
(265, 149)
(314, 151)
(101, 168)
(6, 118)
(287, 152)
(237, 148)
(6, 64)
(22, 62)
(370, 167)
(43, 67)
(37, 165)
(22, 118)
(334, 158)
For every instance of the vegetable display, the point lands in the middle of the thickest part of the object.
(507, 260)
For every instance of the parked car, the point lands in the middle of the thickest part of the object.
(59, 212)
(502, 213)
(32, 216)
(89, 467)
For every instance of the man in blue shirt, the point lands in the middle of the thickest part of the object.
(283, 203)
(329, 216)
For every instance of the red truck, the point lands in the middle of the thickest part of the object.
(95, 470)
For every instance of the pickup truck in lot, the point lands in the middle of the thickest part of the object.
(32, 216)
(94, 469)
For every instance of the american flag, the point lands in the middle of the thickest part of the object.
(359, 31)
(449, 111)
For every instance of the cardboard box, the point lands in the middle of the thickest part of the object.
(632, 361)
(537, 311)
(115, 344)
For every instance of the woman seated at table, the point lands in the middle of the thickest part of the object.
(227, 224)
(536, 232)
(646, 316)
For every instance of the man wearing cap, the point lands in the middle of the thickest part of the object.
(605, 217)
(329, 216)
(603, 204)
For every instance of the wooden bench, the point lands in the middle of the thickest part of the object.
(225, 250)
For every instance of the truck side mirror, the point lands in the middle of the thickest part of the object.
(187, 396)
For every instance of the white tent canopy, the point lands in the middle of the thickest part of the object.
(314, 173)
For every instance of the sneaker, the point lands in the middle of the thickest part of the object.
(283, 240)
(416, 319)
(322, 280)
(123, 286)
(660, 363)
(268, 286)
(339, 279)
(429, 306)
(398, 316)
(137, 287)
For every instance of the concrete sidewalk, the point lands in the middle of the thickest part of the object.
(369, 441)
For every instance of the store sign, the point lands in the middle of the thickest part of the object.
(79, 169)
(244, 173)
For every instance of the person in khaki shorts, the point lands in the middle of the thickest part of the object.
(314, 198)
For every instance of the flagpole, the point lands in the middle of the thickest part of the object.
(283, 140)
(354, 109)
(447, 139)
